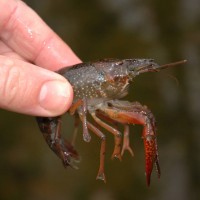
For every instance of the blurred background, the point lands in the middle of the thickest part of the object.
(164, 30)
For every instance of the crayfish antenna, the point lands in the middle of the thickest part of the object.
(151, 66)
(171, 64)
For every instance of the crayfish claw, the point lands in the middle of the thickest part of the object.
(158, 167)
(50, 128)
(151, 155)
(149, 168)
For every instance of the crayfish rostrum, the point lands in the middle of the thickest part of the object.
(98, 86)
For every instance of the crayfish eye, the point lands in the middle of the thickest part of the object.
(109, 104)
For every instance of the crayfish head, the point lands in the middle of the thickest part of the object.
(138, 66)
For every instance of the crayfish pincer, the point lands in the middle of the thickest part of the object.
(98, 86)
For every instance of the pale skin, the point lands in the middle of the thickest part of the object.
(29, 53)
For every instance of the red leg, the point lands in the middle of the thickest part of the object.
(101, 173)
(82, 103)
(115, 132)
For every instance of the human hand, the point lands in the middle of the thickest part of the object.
(32, 88)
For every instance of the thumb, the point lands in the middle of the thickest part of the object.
(28, 89)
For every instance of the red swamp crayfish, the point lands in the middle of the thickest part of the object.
(98, 86)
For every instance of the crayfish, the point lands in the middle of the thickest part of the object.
(98, 86)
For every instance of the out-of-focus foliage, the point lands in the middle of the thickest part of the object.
(164, 30)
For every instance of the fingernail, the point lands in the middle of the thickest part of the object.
(54, 96)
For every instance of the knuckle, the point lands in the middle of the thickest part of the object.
(10, 83)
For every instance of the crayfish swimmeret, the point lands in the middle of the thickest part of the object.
(98, 86)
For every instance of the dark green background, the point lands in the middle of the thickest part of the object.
(164, 30)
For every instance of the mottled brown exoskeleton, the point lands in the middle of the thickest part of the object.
(98, 86)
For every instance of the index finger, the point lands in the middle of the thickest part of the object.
(28, 35)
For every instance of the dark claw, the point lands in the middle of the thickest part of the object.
(50, 128)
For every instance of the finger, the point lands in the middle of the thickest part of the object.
(5, 50)
(28, 89)
(25, 32)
